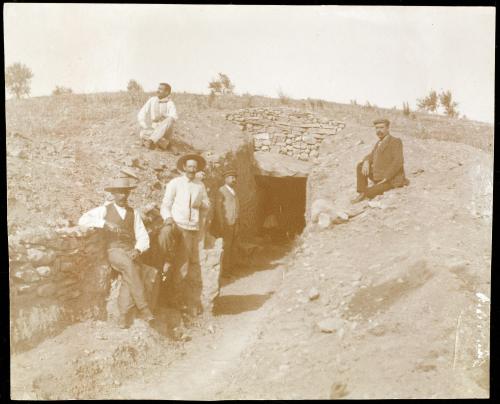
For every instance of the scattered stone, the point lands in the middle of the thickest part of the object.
(330, 325)
(28, 275)
(313, 294)
(23, 289)
(324, 220)
(40, 258)
(46, 290)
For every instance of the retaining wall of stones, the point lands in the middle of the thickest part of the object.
(57, 277)
(285, 130)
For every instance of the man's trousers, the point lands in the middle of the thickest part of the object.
(229, 248)
(132, 290)
(362, 184)
(186, 271)
(161, 133)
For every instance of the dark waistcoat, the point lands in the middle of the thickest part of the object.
(126, 238)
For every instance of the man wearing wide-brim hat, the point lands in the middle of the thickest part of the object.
(184, 201)
(227, 220)
(126, 239)
(384, 165)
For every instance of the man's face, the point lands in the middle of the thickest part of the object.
(190, 168)
(162, 91)
(382, 130)
(120, 197)
(230, 180)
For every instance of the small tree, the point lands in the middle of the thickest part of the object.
(284, 99)
(18, 79)
(59, 90)
(221, 85)
(406, 109)
(450, 106)
(429, 103)
(134, 87)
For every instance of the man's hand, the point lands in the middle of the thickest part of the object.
(365, 169)
(159, 119)
(168, 222)
(112, 227)
(134, 254)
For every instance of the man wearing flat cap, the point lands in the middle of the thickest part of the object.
(227, 217)
(126, 240)
(384, 165)
(184, 201)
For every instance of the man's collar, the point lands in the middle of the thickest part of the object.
(163, 100)
(187, 178)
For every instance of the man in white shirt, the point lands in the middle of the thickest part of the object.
(184, 201)
(157, 118)
(126, 239)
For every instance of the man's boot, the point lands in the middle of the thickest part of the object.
(146, 314)
(359, 198)
(123, 321)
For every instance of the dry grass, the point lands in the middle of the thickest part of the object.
(78, 112)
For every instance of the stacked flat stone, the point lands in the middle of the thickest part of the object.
(285, 130)
(57, 277)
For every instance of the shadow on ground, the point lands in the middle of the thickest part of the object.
(236, 304)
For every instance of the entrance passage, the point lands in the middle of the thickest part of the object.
(281, 206)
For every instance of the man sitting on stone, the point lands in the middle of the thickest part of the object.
(126, 240)
(185, 200)
(157, 118)
(384, 165)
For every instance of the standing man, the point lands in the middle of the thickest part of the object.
(384, 165)
(227, 215)
(157, 118)
(185, 199)
(126, 239)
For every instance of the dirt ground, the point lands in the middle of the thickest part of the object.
(393, 303)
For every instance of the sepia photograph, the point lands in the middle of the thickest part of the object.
(249, 202)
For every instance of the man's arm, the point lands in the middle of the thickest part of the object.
(172, 111)
(397, 159)
(93, 218)
(205, 201)
(141, 234)
(219, 207)
(143, 114)
(168, 201)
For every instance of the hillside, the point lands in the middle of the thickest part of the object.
(392, 303)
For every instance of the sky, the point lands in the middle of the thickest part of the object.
(380, 54)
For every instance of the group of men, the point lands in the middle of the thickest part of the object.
(186, 203)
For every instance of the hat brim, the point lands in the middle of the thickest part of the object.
(200, 160)
(230, 173)
(111, 189)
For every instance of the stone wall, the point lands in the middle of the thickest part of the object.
(287, 131)
(57, 277)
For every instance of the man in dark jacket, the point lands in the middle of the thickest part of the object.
(384, 165)
(227, 215)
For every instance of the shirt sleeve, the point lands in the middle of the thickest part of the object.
(141, 234)
(93, 218)
(143, 113)
(168, 200)
(172, 111)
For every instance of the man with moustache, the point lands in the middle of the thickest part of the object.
(185, 200)
(384, 165)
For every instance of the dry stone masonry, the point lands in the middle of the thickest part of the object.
(57, 277)
(285, 130)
